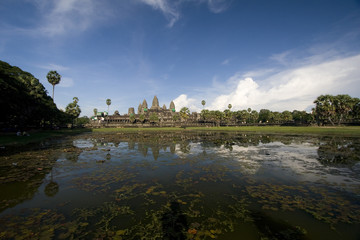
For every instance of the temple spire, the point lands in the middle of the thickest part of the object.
(172, 106)
(155, 103)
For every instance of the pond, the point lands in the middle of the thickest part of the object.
(188, 185)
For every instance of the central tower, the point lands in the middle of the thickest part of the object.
(155, 103)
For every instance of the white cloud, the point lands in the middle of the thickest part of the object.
(225, 62)
(170, 8)
(281, 57)
(55, 67)
(65, 15)
(166, 8)
(218, 6)
(289, 89)
(183, 101)
(54, 18)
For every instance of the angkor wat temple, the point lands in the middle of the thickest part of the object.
(145, 116)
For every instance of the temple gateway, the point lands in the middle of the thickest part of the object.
(155, 115)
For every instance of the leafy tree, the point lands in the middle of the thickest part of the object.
(53, 78)
(329, 108)
(82, 120)
(203, 103)
(286, 116)
(254, 116)
(108, 103)
(343, 106)
(355, 113)
(205, 114)
(142, 118)
(325, 109)
(301, 117)
(95, 111)
(242, 116)
(184, 113)
(217, 117)
(276, 117)
(227, 115)
(176, 117)
(229, 106)
(73, 109)
(264, 115)
(154, 118)
(31, 107)
(132, 118)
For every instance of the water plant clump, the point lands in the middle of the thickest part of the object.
(213, 185)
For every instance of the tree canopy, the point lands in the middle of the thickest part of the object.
(24, 100)
(53, 78)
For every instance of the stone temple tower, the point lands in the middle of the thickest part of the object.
(144, 105)
(172, 106)
(155, 103)
(140, 109)
(131, 111)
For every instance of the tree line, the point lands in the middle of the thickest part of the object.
(328, 110)
(249, 116)
(25, 102)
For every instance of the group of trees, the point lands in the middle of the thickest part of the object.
(249, 116)
(328, 109)
(25, 102)
(337, 109)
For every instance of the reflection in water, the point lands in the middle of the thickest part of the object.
(174, 223)
(339, 151)
(203, 185)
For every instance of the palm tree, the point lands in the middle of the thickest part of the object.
(73, 109)
(95, 111)
(184, 113)
(203, 103)
(325, 109)
(108, 102)
(229, 106)
(53, 78)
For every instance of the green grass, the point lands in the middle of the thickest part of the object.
(344, 131)
(37, 136)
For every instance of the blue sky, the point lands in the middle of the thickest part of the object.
(278, 55)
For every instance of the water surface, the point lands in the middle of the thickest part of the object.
(203, 185)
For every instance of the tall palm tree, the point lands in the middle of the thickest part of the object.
(203, 103)
(108, 102)
(95, 111)
(53, 78)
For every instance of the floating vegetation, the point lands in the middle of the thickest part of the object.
(324, 205)
(40, 224)
(204, 185)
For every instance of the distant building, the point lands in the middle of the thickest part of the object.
(155, 115)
